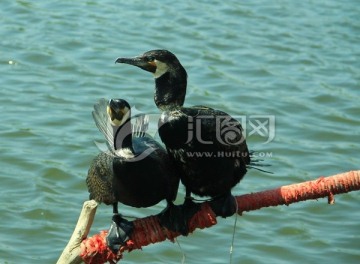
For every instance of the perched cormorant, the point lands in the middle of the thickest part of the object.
(136, 170)
(207, 145)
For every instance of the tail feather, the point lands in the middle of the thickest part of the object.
(256, 163)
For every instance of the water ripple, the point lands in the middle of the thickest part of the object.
(296, 61)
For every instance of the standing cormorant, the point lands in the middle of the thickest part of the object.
(207, 145)
(136, 170)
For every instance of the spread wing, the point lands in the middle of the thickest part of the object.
(102, 121)
(140, 124)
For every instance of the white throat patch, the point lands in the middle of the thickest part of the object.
(161, 68)
(125, 153)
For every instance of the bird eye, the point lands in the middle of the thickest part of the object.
(150, 58)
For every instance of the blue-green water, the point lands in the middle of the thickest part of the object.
(295, 60)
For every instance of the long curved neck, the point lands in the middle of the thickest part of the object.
(170, 89)
(123, 136)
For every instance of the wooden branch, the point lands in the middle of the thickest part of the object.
(148, 230)
(71, 253)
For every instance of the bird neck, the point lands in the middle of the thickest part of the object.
(170, 89)
(123, 136)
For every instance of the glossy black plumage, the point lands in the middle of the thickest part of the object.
(210, 162)
(121, 176)
(214, 160)
(136, 170)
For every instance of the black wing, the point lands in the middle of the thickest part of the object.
(219, 128)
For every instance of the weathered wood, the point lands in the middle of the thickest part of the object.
(71, 253)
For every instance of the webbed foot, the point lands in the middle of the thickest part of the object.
(176, 217)
(224, 206)
(119, 232)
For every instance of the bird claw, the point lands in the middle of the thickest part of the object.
(176, 218)
(224, 206)
(119, 232)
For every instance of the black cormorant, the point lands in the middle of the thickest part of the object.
(136, 170)
(208, 145)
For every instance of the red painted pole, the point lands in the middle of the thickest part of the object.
(148, 230)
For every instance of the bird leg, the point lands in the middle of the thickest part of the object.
(176, 218)
(115, 208)
(224, 205)
(119, 231)
(188, 209)
(168, 217)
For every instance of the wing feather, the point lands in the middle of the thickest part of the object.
(102, 122)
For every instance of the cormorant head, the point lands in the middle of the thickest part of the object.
(118, 111)
(157, 62)
(170, 76)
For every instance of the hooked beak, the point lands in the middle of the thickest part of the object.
(140, 62)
